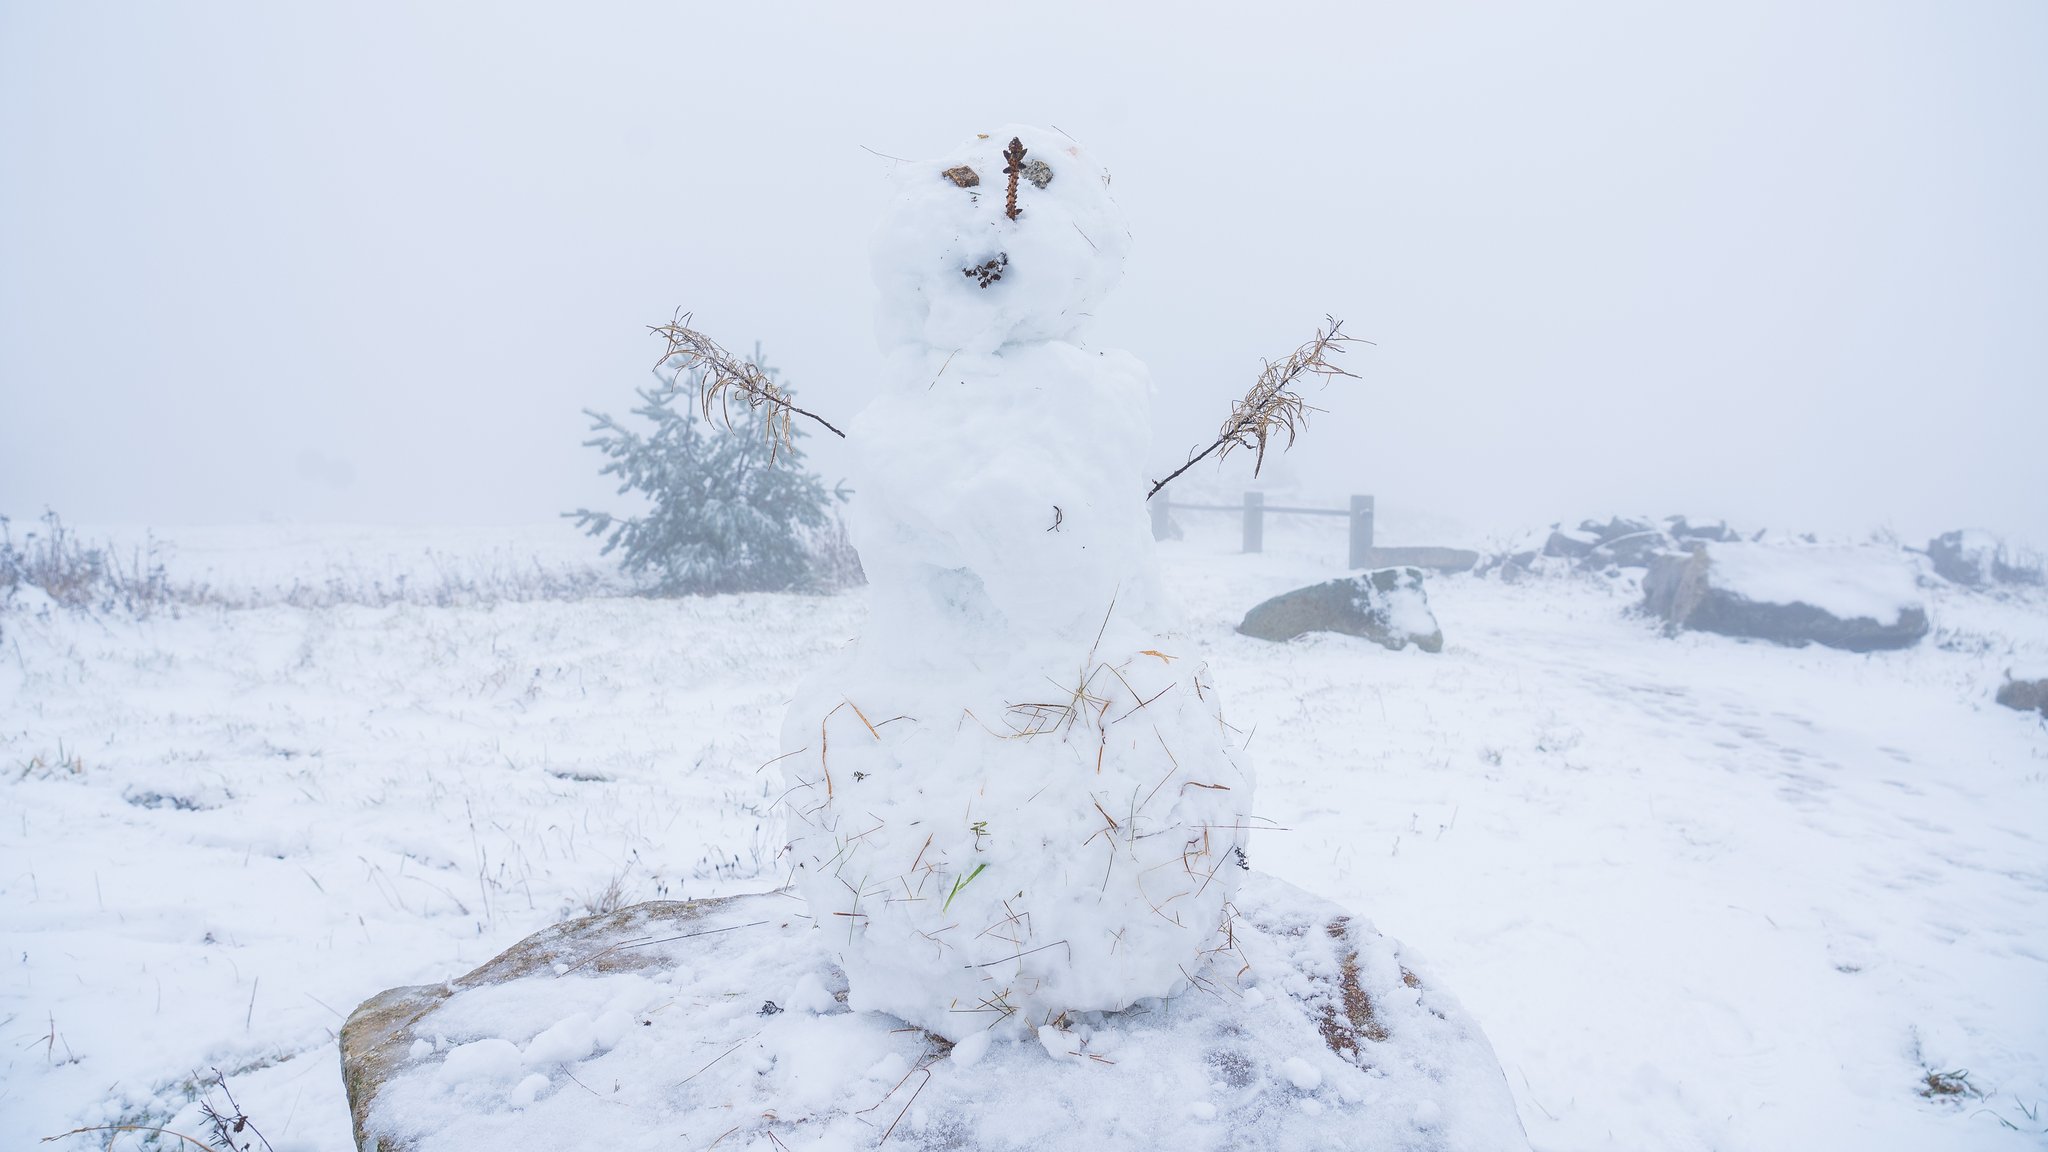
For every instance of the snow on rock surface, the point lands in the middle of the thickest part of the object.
(1860, 599)
(1353, 1049)
(1015, 795)
(1387, 607)
(1846, 582)
(2025, 694)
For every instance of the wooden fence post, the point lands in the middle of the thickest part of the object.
(1361, 530)
(1254, 521)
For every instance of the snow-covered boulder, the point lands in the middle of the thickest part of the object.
(684, 1025)
(1975, 558)
(2027, 693)
(1387, 607)
(1859, 599)
(1570, 545)
(1014, 796)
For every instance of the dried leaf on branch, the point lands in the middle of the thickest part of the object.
(725, 375)
(1272, 406)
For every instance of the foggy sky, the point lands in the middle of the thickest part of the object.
(1784, 263)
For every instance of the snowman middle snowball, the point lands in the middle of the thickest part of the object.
(1014, 797)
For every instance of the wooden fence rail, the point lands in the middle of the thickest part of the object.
(1255, 509)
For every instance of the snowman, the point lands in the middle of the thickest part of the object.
(1013, 799)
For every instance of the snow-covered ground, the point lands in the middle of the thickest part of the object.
(1701, 893)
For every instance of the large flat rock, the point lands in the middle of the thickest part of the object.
(1857, 599)
(674, 1025)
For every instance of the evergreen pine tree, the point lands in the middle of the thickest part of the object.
(726, 512)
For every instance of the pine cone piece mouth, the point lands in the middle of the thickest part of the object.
(988, 271)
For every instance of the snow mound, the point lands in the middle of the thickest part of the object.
(1308, 1029)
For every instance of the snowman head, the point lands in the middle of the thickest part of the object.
(960, 267)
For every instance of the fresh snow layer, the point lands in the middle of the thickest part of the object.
(1408, 611)
(697, 1056)
(1849, 582)
(1699, 894)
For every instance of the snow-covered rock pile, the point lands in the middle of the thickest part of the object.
(1860, 599)
(1597, 546)
(1014, 797)
(724, 1022)
(1387, 607)
(1975, 558)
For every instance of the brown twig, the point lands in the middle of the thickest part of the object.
(226, 1126)
(1015, 168)
(725, 373)
(1272, 406)
(1269, 408)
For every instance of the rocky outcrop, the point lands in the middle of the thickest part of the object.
(1628, 543)
(1978, 559)
(725, 1021)
(1678, 529)
(1570, 545)
(1594, 546)
(1690, 593)
(1387, 607)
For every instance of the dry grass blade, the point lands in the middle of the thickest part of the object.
(116, 1128)
(724, 375)
(1272, 406)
